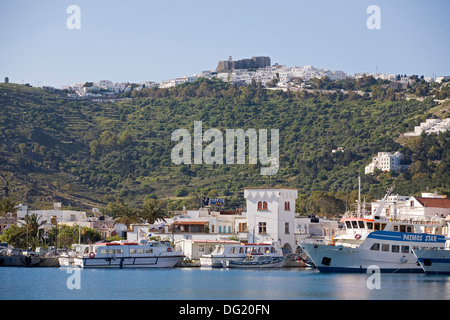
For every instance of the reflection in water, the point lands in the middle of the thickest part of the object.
(217, 284)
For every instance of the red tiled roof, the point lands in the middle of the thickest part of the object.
(434, 202)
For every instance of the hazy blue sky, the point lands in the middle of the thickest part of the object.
(138, 40)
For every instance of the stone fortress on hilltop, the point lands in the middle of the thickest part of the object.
(253, 63)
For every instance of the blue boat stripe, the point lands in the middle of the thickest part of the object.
(434, 260)
(407, 237)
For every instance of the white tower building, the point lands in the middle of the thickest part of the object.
(271, 215)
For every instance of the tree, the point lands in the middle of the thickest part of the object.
(7, 206)
(152, 210)
(126, 215)
(32, 224)
(14, 236)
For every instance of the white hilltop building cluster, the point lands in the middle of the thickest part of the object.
(240, 72)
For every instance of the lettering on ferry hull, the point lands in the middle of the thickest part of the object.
(411, 237)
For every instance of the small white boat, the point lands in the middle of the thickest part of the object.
(123, 254)
(239, 252)
(255, 261)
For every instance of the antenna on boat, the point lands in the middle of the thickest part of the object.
(359, 196)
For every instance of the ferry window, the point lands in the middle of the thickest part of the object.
(266, 249)
(370, 225)
(408, 228)
(385, 247)
(201, 248)
(232, 250)
(119, 251)
(148, 250)
(375, 247)
(349, 225)
(395, 248)
(395, 228)
(241, 250)
(140, 250)
(377, 226)
(405, 249)
(383, 225)
(354, 224)
(132, 251)
(272, 250)
(103, 251)
(361, 224)
(112, 251)
(402, 228)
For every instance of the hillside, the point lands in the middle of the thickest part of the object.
(87, 153)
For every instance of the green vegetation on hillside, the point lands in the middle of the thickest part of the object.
(87, 153)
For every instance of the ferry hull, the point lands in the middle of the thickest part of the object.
(216, 262)
(434, 261)
(134, 262)
(351, 260)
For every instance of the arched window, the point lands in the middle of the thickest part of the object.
(265, 206)
(259, 205)
(287, 206)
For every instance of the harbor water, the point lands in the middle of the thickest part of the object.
(214, 284)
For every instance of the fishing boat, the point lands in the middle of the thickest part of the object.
(240, 252)
(254, 261)
(123, 254)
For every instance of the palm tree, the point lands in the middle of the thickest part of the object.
(33, 224)
(125, 215)
(152, 210)
(7, 206)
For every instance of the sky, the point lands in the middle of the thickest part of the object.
(149, 40)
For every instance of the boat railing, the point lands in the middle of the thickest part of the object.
(435, 221)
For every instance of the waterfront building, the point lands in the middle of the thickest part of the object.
(271, 215)
(103, 224)
(193, 249)
(429, 206)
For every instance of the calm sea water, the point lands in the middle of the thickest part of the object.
(213, 284)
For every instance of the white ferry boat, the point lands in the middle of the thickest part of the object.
(435, 261)
(123, 254)
(238, 253)
(390, 251)
(357, 225)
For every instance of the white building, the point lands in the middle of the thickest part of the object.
(442, 78)
(271, 215)
(428, 206)
(386, 161)
(430, 126)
